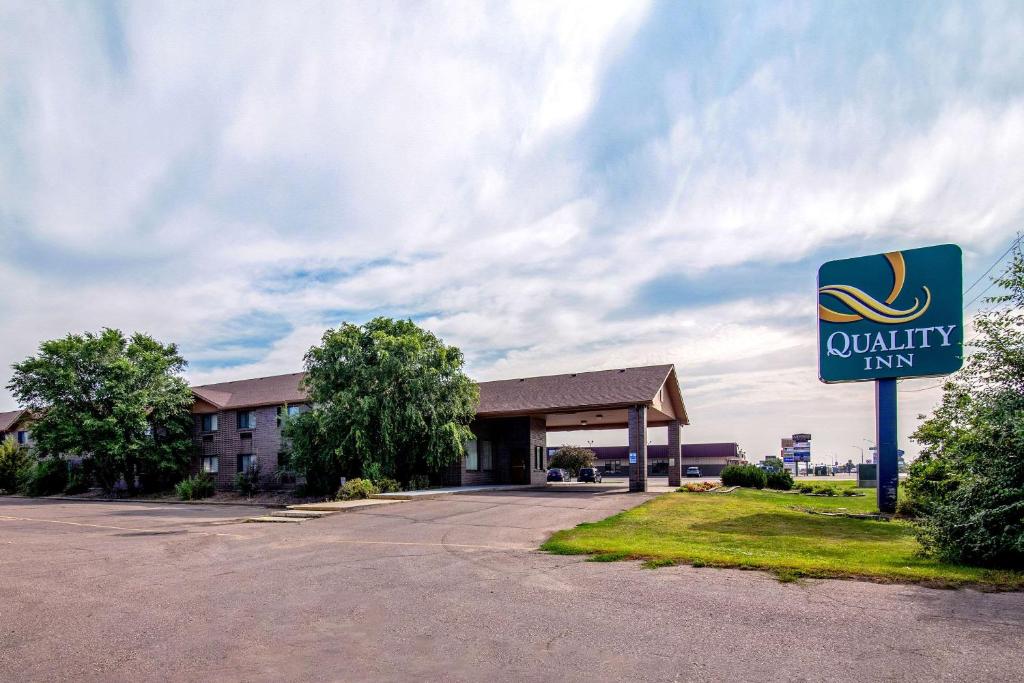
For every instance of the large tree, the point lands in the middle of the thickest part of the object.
(389, 400)
(120, 402)
(969, 480)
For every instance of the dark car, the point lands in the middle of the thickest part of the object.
(589, 474)
(557, 474)
(693, 471)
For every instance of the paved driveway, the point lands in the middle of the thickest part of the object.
(444, 589)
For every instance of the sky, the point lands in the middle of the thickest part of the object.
(552, 187)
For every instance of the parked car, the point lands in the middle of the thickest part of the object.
(558, 474)
(693, 471)
(589, 474)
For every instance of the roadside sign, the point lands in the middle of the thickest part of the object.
(898, 314)
(632, 457)
(887, 316)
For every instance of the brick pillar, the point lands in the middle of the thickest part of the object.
(638, 445)
(675, 454)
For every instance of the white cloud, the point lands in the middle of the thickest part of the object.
(161, 172)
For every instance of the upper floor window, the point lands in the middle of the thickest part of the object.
(210, 422)
(246, 419)
(290, 410)
(22, 437)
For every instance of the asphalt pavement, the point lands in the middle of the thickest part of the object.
(447, 589)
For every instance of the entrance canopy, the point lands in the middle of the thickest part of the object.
(588, 400)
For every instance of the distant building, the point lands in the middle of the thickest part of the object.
(711, 458)
(15, 424)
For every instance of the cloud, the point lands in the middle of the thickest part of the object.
(551, 186)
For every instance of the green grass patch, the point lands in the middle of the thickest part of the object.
(768, 530)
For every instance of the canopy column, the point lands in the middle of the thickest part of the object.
(638, 449)
(675, 453)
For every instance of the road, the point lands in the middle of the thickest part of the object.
(445, 589)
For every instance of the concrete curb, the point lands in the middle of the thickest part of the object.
(148, 501)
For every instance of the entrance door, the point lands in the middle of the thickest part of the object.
(519, 466)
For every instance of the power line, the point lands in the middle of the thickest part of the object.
(980, 294)
(913, 391)
(982, 277)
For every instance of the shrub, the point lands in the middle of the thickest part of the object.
(196, 487)
(748, 476)
(44, 477)
(248, 482)
(13, 459)
(780, 480)
(355, 489)
(818, 489)
(418, 482)
(572, 458)
(387, 485)
(78, 480)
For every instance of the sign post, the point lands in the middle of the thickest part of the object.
(885, 317)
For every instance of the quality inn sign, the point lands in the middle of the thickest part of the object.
(898, 314)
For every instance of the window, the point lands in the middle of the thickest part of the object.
(22, 437)
(486, 456)
(211, 464)
(292, 412)
(246, 419)
(538, 457)
(472, 459)
(245, 462)
(210, 422)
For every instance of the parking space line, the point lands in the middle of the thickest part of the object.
(8, 518)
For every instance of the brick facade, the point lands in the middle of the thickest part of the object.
(638, 445)
(226, 443)
(514, 456)
(675, 454)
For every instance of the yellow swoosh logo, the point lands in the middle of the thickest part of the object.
(867, 307)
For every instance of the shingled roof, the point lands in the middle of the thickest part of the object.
(622, 387)
(260, 391)
(8, 419)
(551, 393)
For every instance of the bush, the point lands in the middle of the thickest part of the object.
(387, 485)
(818, 489)
(748, 476)
(572, 458)
(781, 480)
(196, 487)
(248, 482)
(13, 459)
(356, 489)
(79, 480)
(44, 477)
(419, 482)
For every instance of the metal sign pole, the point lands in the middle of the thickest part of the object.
(888, 453)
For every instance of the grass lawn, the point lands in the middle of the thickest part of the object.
(769, 530)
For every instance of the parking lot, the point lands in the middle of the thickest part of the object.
(450, 588)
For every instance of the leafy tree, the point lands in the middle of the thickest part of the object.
(773, 464)
(968, 484)
(572, 458)
(118, 401)
(389, 400)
